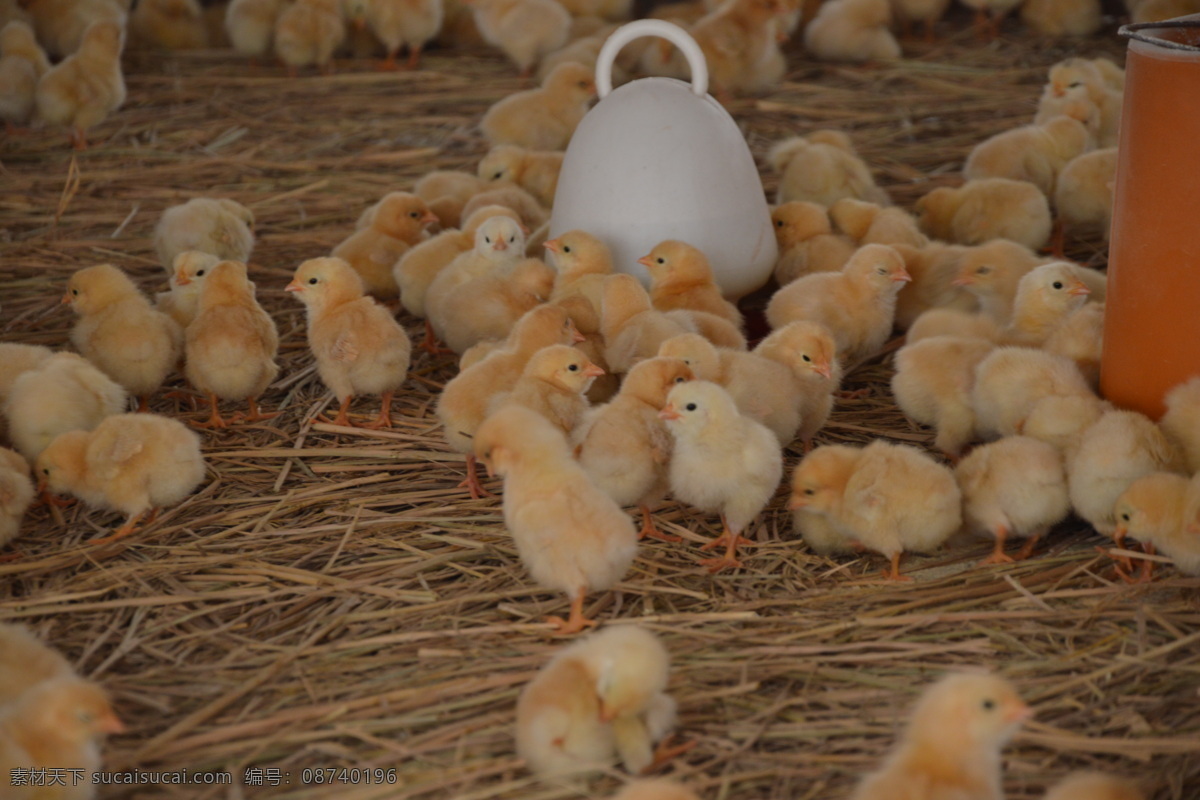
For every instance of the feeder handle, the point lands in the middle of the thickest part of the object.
(651, 27)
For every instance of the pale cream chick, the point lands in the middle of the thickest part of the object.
(64, 393)
(992, 271)
(822, 536)
(398, 222)
(1061, 420)
(852, 30)
(525, 31)
(535, 171)
(1181, 422)
(571, 536)
(543, 118)
(22, 63)
(822, 168)
(1094, 785)
(231, 345)
(1083, 196)
(932, 385)
(624, 446)
(722, 461)
(168, 25)
(927, 12)
(554, 384)
(655, 789)
(1074, 84)
(889, 498)
(870, 223)
(857, 304)
(585, 51)
(182, 300)
(120, 332)
(632, 328)
(84, 88)
(62, 24)
(740, 42)
(218, 226)
(982, 210)
(1046, 297)
(131, 463)
(16, 359)
(359, 347)
(602, 697)
(446, 192)
(25, 661)
(308, 32)
(953, 322)
(463, 403)
(1063, 17)
(16, 495)
(523, 204)
(950, 749)
(582, 262)
(486, 308)
(1081, 338)
(808, 350)
(806, 242)
(1010, 381)
(1032, 153)
(250, 25)
(1014, 488)
(1153, 510)
(409, 24)
(718, 330)
(682, 278)
(933, 268)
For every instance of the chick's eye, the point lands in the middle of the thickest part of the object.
(1075, 85)
(983, 270)
(690, 407)
(807, 359)
(680, 379)
(487, 240)
(498, 176)
(566, 248)
(1057, 284)
(778, 223)
(810, 492)
(312, 281)
(75, 293)
(414, 214)
(574, 368)
(45, 470)
(200, 274)
(989, 704)
(512, 239)
(1125, 517)
(660, 261)
(881, 271)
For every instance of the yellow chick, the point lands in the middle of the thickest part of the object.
(951, 747)
(25, 661)
(1014, 488)
(169, 25)
(307, 33)
(953, 322)
(932, 385)
(722, 461)
(120, 332)
(585, 51)
(446, 192)
(525, 31)
(182, 300)
(63, 393)
(535, 171)
(1010, 381)
(1158, 10)
(554, 384)
(857, 304)
(632, 328)
(890, 498)
(359, 346)
(1081, 338)
(1075, 18)
(22, 64)
(822, 168)
(1032, 153)
(655, 789)
(571, 536)
(583, 262)
(1153, 510)
(982, 210)
(822, 536)
(131, 463)
(806, 242)
(933, 268)
(1061, 420)
(398, 222)
(487, 307)
(16, 495)
(1181, 422)
(603, 696)
(808, 350)
(525, 206)
(740, 44)
(991, 273)
(1083, 196)
(1089, 89)
(544, 118)
(681, 278)
(404, 23)
(231, 345)
(84, 88)
(1094, 786)
(1046, 297)
(870, 223)
(852, 30)
(989, 14)
(250, 25)
(927, 12)
(217, 226)
(463, 403)
(62, 24)
(16, 359)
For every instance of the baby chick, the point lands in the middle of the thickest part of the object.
(870, 223)
(446, 192)
(217, 226)
(740, 44)
(1046, 297)
(1060, 421)
(808, 350)
(951, 747)
(182, 300)
(62, 24)
(308, 32)
(932, 385)
(1081, 86)
(1010, 381)
(16, 495)
(989, 14)
(1081, 338)
(822, 168)
(132, 463)
(888, 497)
(544, 118)
(571, 536)
(1013, 488)
(927, 12)
(1158, 10)
(120, 332)
(84, 88)
(722, 462)
(681, 277)
(857, 304)
(169, 25)
(1093, 786)
(632, 328)
(398, 222)
(250, 25)
(231, 345)
(25, 661)
(16, 359)
(852, 30)
(806, 241)
(536, 171)
(933, 268)
(22, 63)
(604, 695)
(1181, 422)
(404, 23)
(986, 209)
(1032, 153)
(991, 273)
(1062, 17)
(525, 30)
(1083, 196)
(553, 384)
(63, 393)
(1152, 509)
(524, 205)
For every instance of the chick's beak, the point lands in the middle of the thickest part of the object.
(646, 261)
(500, 244)
(1059, 91)
(824, 370)
(606, 714)
(66, 299)
(576, 336)
(552, 245)
(592, 371)
(901, 276)
(1017, 713)
(797, 501)
(181, 278)
(111, 724)
(1079, 288)
(1121, 532)
(669, 412)
(428, 218)
(962, 280)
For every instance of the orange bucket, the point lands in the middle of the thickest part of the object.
(1152, 316)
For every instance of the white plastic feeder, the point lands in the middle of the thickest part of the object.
(658, 159)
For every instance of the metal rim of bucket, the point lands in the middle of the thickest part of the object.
(1134, 31)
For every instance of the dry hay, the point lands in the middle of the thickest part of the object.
(329, 598)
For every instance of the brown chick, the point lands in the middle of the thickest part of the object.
(85, 87)
(131, 463)
(307, 33)
(1046, 297)
(250, 25)
(932, 385)
(22, 63)
(1083, 196)
(822, 168)
(169, 25)
(857, 304)
(870, 223)
(218, 226)
(554, 384)
(397, 224)
(1153, 510)
(535, 171)
(16, 495)
(933, 268)
(655, 789)
(852, 30)
(951, 747)
(231, 345)
(25, 661)
(808, 350)
(571, 536)
(525, 31)
(1010, 381)
(991, 272)
(62, 24)
(182, 301)
(740, 44)
(545, 118)
(681, 278)
(410, 24)
(120, 332)
(632, 328)
(806, 242)
(1094, 786)
(1033, 153)
(982, 210)
(1181, 422)
(463, 403)
(446, 192)
(603, 696)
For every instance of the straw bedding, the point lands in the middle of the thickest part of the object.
(328, 598)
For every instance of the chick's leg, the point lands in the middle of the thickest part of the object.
(342, 417)
(666, 751)
(130, 526)
(430, 343)
(895, 575)
(255, 415)
(998, 555)
(650, 530)
(215, 420)
(78, 139)
(143, 404)
(384, 420)
(576, 622)
(731, 541)
(1027, 549)
(388, 64)
(471, 482)
(414, 57)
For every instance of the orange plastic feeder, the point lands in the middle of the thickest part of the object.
(1152, 317)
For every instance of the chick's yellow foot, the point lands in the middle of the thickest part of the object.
(730, 559)
(215, 420)
(471, 482)
(1027, 549)
(894, 574)
(388, 64)
(342, 417)
(131, 526)
(666, 752)
(576, 622)
(384, 420)
(255, 415)
(650, 531)
(998, 556)
(414, 58)
(430, 343)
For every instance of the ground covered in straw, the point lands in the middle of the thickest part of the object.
(329, 598)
